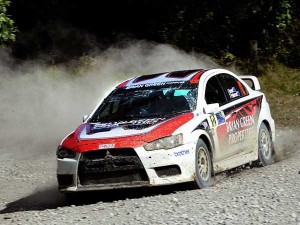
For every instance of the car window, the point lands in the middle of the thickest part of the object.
(214, 92)
(147, 102)
(233, 87)
(242, 88)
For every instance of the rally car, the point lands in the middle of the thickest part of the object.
(168, 128)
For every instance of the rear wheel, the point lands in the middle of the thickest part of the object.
(265, 151)
(203, 165)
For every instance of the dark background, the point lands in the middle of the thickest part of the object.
(63, 29)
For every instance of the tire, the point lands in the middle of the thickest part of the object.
(203, 164)
(265, 150)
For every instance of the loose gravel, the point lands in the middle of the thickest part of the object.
(260, 195)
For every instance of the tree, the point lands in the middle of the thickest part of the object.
(7, 28)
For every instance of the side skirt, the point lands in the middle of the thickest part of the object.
(235, 161)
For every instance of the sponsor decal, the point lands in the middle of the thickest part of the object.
(240, 128)
(153, 84)
(106, 146)
(233, 92)
(240, 125)
(204, 125)
(220, 117)
(133, 124)
(95, 128)
(213, 120)
(181, 153)
(239, 135)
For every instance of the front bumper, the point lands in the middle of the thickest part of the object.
(161, 167)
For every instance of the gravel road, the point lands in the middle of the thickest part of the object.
(265, 195)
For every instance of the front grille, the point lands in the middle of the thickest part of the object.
(110, 167)
(166, 171)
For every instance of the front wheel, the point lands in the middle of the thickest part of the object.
(265, 151)
(203, 165)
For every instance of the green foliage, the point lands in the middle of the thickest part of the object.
(282, 88)
(215, 27)
(212, 27)
(283, 15)
(7, 28)
(229, 57)
(202, 26)
(280, 29)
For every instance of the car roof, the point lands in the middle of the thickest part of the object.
(174, 76)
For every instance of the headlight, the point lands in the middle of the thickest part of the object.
(165, 143)
(63, 152)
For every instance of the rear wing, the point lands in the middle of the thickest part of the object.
(251, 81)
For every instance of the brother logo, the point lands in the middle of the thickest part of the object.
(181, 153)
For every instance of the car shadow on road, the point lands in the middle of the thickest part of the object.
(51, 199)
(42, 199)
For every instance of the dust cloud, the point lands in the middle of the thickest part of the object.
(40, 105)
(287, 143)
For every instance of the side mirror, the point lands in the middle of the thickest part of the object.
(84, 118)
(212, 108)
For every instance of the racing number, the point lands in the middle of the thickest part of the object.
(213, 120)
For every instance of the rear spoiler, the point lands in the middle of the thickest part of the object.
(251, 81)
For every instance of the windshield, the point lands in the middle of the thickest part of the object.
(147, 102)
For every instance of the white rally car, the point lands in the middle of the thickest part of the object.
(168, 128)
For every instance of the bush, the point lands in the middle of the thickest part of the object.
(7, 28)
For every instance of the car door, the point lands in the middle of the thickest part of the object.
(214, 93)
(237, 135)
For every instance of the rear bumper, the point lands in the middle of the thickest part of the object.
(162, 167)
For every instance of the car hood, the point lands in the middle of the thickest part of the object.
(119, 129)
(128, 134)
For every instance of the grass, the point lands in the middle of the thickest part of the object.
(282, 88)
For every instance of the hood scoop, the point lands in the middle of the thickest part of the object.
(97, 128)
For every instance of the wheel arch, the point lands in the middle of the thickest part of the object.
(208, 143)
(266, 122)
(268, 125)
